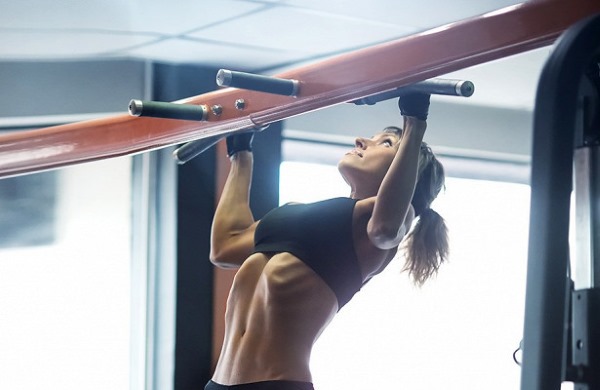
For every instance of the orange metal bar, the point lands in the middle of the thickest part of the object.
(344, 78)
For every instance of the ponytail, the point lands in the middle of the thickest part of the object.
(426, 245)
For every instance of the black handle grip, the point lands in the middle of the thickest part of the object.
(451, 87)
(192, 149)
(167, 110)
(433, 86)
(254, 82)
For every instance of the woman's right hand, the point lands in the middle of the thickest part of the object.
(239, 142)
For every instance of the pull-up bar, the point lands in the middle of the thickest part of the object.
(270, 85)
(265, 84)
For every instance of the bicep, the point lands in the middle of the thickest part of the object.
(232, 250)
(385, 235)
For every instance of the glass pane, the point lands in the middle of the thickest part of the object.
(460, 330)
(65, 279)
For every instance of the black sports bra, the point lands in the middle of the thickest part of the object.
(319, 234)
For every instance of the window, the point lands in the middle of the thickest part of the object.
(65, 298)
(460, 330)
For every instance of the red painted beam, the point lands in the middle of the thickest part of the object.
(344, 78)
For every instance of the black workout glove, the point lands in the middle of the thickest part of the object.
(414, 104)
(239, 142)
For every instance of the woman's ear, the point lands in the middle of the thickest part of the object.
(424, 159)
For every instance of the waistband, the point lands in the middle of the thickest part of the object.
(264, 385)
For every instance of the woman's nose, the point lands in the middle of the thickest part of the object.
(361, 143)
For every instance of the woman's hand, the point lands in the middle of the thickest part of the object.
(239, 142)
(415, 104)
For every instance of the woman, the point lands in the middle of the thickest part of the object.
(302, 263)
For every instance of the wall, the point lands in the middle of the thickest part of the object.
(62, 87)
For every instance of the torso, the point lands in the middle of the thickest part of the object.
(278, 307)
(271, 342)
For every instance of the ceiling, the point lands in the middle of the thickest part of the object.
(253, 35)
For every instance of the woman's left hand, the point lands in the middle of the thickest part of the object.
(415, 104)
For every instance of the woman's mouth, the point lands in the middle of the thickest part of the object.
(355, 152)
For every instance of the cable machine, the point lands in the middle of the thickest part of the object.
(562, 308)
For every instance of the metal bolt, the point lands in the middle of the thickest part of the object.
(217, 109)
(240, 104)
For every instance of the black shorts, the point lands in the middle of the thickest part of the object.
(266, 385)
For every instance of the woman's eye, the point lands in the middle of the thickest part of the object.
(387, 142)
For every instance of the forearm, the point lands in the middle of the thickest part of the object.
(233, 215)
(396, 191)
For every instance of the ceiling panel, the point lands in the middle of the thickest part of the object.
(152, 16)
(64, 14)
(34, 44)
(302, 30)
(182, 16)
(422, 14)
(217, 54)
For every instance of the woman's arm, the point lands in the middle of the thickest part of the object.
(232, 236)
(386, 227)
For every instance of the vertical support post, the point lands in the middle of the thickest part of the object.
(587, 217)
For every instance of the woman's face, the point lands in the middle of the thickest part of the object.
(369, 161)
